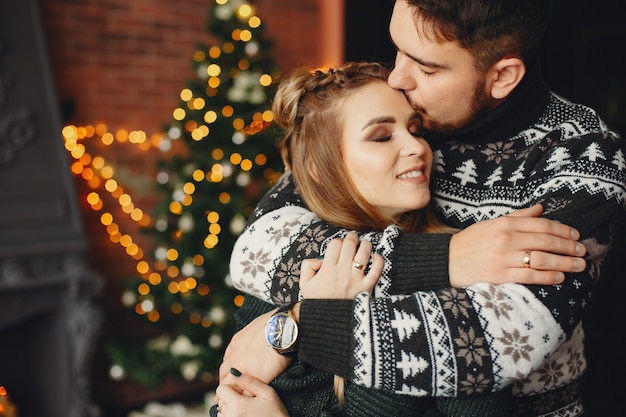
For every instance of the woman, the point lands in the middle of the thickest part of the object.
(355, 150)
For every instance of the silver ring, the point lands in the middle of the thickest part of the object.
(527, 259)
(358, 265)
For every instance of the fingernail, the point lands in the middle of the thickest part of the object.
(579, 264)
(559, 277)
(580, 249)
(235, 372)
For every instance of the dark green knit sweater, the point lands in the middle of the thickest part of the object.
(308, 392)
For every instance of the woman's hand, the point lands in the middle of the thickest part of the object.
(242, 395)
(342, 274)
(249, 352)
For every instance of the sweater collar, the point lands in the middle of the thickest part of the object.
(518, 112)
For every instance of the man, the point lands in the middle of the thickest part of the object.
(503, 142)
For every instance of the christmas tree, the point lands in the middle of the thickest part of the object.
(219, 159)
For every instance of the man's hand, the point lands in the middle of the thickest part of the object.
(249, 352)
(494, 250)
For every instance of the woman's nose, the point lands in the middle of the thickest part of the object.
(413, 146)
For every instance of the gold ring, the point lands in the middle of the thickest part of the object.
(527, 259)
(358, 265)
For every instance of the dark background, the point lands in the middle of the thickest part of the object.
(583, 56)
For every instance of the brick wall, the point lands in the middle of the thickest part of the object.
(123, 63)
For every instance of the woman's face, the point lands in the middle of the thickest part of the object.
(383, 151)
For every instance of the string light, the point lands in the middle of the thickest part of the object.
(7, 408)
(100, 178)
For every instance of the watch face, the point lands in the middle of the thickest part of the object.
(281, 331)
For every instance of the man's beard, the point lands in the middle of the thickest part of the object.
(480, 105)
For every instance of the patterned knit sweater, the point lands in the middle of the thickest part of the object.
(443, 342)
(307, 391)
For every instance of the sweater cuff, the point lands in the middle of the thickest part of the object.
(421, 262)
(326, 335)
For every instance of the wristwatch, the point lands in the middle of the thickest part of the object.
(281, 331)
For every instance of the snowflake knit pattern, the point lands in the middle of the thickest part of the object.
(445, 342)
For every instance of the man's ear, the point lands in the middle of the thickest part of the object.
(504, 76)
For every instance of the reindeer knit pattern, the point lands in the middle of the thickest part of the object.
(417, 336)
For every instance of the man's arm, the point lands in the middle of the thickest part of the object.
(487, 335)
(266, 258)
(257, 266)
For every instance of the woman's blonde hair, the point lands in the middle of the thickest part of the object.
(308, 108)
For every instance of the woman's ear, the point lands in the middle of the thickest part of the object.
(504, 76)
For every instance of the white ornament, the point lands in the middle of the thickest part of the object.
(238, 138)
(227, 170)
(163, 177)
(129, 298)
(165, 144)
(202, 74)
(228, 280)
(189, 370)
(178, 194)
(215, 341)
(174, 132)
(243, 179)
(185, 223)
(224, 11)
(237, 224)
(161, 224)
(117, 373)
(147, 305)
(183, 346)
(217, 314)
(252, 48)
(188, 269)
(160, 343)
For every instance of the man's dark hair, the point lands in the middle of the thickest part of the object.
(489, 29)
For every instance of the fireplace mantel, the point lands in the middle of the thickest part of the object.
(48, 318)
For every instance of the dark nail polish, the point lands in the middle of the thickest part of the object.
(235, 372)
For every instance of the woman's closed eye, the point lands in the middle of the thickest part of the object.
(382, 138)
(381, 135)
(416, 129)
